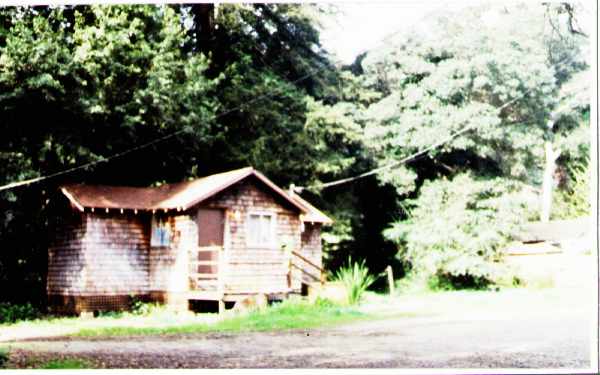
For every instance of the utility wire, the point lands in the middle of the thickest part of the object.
(413, 156)
(385, 42)
(178, 132)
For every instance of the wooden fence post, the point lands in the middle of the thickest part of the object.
(390, 277)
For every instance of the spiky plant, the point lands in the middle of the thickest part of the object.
(356, 279)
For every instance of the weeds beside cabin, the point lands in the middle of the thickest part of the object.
(218, 238)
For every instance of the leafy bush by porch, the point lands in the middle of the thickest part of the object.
(356, 279)
(457, 229)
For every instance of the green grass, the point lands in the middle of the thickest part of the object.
(57, 364)
(285, 315)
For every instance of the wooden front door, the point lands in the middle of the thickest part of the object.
(211, 230)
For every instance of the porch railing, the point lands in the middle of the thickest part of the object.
(307, 267)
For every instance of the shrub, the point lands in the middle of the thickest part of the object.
(138, 307)
(12, 313)
(457, 229)
(3, 357)
(444, 282)
(322, 302)
(574, 201)
(110, 314)
(356, 279)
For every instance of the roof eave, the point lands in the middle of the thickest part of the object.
(250, 171)
(72, 199)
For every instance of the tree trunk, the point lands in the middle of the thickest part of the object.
(204, 25)
(548, 181)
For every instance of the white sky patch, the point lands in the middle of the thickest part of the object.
(362, 26)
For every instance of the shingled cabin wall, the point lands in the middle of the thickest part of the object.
(169, 265)
(65, 261)
(99, 261)
(258, 270)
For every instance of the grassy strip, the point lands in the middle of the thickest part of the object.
(57, 364)
(286, 315)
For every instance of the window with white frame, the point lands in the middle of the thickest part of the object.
(260, 229)
(161, 232)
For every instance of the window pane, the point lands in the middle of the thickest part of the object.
(265, 229)
(161, 233)
(253, 229)
(260, 230)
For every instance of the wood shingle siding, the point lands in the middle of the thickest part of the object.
(116, 253)
(255, 268)
(66, 257)
(106, 255)
(169, 266)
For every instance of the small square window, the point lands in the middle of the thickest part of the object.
(161, 233)
(260, 229)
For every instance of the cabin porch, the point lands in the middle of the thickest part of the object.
(213, 277)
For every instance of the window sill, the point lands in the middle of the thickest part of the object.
(262, 247)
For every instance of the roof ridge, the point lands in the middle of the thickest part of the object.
(180, 195)
(157, 187)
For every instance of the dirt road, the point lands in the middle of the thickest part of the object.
(533, 339)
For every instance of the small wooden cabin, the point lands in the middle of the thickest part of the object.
(219, 238)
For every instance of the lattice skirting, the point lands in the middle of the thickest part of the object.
(69, 305)
(61, 304)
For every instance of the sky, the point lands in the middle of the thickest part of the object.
(362, 26)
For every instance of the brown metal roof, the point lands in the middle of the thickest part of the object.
(181, 195)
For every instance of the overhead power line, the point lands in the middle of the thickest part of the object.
(107, 159)
(311, 73)
(413, 156)
(142, 146)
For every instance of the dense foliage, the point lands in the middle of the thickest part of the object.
(573, 200)
(10, 313)
(232, 85)
(516, 90)
(457, 228)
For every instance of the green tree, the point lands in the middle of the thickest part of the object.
(457, 228)
(272, 66)
(81, 83)
(482, 70)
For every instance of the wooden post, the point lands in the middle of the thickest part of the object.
(390, 277)
(222, 265)
(220, 286)
(289, 277)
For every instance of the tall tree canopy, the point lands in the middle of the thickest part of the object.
(81, 83)
(482, 70)
(496, 76)
(230, 85)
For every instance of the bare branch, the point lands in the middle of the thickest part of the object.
(572, 20)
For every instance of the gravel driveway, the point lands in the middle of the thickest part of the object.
(537, 339)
